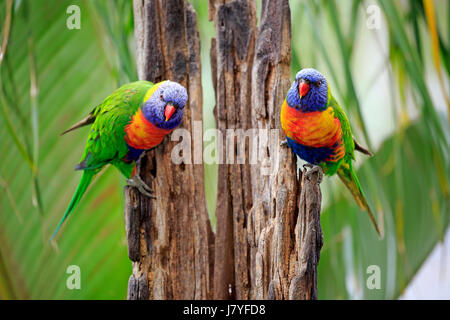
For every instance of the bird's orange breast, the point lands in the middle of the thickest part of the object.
(313, 129)
(142, 134)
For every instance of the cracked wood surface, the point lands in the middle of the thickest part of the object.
(263, 209)
(170, 239)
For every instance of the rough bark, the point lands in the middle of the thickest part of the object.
(308, 238)
(274, 213)
(268, 237)
(170, 240)
(232, 56)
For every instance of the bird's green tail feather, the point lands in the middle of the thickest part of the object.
(348, 176)
(86, 179)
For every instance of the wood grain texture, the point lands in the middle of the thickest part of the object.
(268, 239)
(170, 240)
(231, 57)
(262, 251)
(308, 238)
(273, 217)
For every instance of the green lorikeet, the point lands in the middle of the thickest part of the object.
(318, 131)
(134, 118)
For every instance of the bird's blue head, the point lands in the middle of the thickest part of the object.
(309, 91)
(165, 107)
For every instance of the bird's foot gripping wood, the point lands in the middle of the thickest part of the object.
(139, 184)
(284, 144)
(314, 174)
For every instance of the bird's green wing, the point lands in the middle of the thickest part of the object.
(345, 126)
(346, 171)
(106, 142)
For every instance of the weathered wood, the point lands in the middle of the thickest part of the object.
(309, 238)
(275, 210)
(262, 209)
(137, 288)
(170, 239)
(231, 58)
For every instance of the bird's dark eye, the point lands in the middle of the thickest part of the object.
(319, 83)
(161, 96)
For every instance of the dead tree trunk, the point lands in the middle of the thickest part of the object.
(170, 240)
(268, 237)
(232, 57)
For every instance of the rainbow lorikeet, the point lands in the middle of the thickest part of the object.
(318, 131)
(134, 118)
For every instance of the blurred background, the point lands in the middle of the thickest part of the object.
(388, 64)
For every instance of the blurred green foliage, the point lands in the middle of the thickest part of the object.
(75, 70)
(386, 79)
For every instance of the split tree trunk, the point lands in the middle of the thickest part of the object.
(170, 240)
(268, 237)
(268, 219)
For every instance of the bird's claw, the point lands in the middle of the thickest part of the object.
(139, 184)
(283, 143)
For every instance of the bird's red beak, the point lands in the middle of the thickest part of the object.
(303, 88)
(169, 110)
